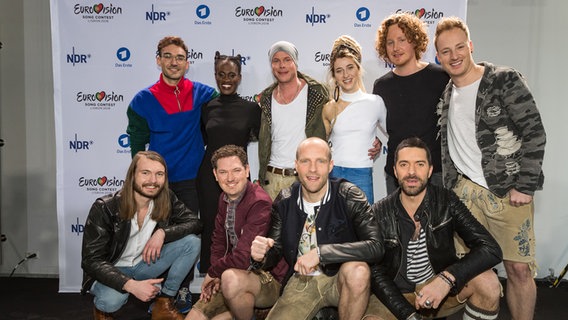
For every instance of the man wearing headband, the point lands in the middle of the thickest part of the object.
(291, 112)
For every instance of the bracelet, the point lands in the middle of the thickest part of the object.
(318, 251)
(446, 279)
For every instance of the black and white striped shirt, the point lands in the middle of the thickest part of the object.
(418, 268)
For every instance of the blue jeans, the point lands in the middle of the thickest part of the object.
(177, 256)
(361, 177)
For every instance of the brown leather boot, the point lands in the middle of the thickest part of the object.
(99, 315)
(164, 309)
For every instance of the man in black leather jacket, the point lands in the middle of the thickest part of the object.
(420, 274)
(133, 236)
(327, 234)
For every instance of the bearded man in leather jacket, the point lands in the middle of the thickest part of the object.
(327, 234)
(135, 235)
(420, 274)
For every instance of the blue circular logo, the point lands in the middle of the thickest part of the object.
(363, 14)
(124, 140)
(123, 54)
(202, 11)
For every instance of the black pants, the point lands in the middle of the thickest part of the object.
(187, 193)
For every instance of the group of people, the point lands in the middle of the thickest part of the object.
(466, 145)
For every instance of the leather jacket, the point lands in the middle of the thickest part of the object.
(346, 229)
(441, 214)
(106, 234)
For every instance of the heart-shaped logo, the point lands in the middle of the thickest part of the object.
(101, 181)
(420, 12)
(98, 7)
(256, 98)
(100, 95)
(259, 10)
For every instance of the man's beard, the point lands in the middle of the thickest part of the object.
(413, 191)
(139, 190)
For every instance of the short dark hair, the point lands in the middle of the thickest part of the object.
(229, 151)
(234, 59)
(413, 142)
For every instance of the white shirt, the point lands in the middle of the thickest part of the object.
(288, 129)
(462, 141)
(137, 239)
(355, 129)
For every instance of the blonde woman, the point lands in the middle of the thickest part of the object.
(352, 117)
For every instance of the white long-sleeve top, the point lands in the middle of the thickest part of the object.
(355, 129)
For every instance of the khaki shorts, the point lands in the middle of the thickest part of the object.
(512, 227)
(269, 293)
(449, 306)
(304, 296)
(277, 182)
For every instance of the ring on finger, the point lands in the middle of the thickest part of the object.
(428, 303)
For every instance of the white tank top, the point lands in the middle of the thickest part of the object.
(288, 129)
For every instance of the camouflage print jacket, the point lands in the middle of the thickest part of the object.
(318, 95)
(509, 132)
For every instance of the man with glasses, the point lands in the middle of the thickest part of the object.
(166, 117)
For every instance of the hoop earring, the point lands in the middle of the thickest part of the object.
(336, 93)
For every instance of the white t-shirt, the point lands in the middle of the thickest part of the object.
(288, 129)
(355, 129)
(462, 142)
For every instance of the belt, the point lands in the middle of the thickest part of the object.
(283, 172)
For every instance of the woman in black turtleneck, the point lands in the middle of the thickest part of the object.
(227, 119)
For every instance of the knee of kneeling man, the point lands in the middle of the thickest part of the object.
(356, 272)
(489, 286)
(191, 241)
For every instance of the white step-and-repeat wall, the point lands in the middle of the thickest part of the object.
(104, 53)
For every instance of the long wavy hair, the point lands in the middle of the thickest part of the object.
(162, 204)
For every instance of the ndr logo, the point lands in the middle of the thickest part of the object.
(314, 18)
(74, 57)
(77, 227)
(156, 15)
(79, 144)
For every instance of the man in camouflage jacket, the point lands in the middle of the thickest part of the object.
(492, 140)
